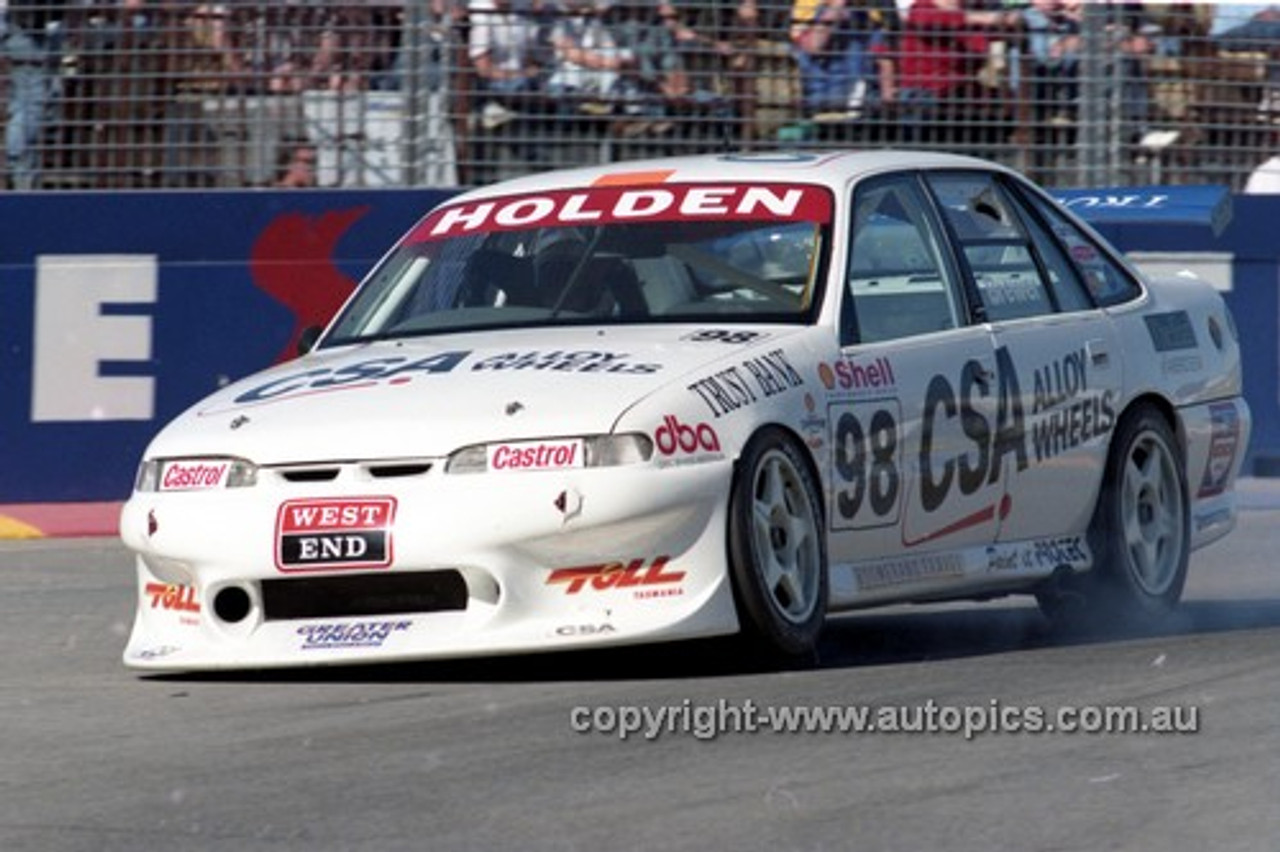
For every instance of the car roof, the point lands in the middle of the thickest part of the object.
(829, 168)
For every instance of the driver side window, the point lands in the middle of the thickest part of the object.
(898, 284)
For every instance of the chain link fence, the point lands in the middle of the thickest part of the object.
(136, 94)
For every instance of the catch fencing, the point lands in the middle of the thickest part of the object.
(147, 95)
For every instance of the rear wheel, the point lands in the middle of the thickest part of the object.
(777, 546)
(1140, 534)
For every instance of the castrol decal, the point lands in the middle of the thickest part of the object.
(536, 455)
(193, 475)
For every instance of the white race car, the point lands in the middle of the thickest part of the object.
(689, 397)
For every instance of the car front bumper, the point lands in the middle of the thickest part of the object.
(474, 564)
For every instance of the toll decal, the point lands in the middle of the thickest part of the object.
(174, 598)
(645, 578)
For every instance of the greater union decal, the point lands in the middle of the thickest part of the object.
(321, 535)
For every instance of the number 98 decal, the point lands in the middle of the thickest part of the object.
(866, 453)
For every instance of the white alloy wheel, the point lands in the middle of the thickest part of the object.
(1153, 512)
(1140, 533)
(777, 545)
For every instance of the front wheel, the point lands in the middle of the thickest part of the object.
(1140, 533)
(777, 545)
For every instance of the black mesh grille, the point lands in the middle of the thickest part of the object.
(363, 594)
(311, 474)
(392, 471)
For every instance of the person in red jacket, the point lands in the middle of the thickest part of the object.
(943, 45)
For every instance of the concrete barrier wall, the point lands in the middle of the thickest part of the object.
(117, 311)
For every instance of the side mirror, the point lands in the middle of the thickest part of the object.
(307, 340)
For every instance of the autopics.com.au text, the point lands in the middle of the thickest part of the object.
(710, 720)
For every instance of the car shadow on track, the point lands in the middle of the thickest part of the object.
(900, 636)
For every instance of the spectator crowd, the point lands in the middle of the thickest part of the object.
(125, 93)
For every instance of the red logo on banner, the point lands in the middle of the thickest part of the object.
(292, 261)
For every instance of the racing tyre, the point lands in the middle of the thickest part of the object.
(777, 546)
(1140, 533)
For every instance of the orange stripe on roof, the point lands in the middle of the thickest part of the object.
(633, 178)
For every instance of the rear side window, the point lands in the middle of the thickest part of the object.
(1064, 279)
(1108, 282)
(995, 245)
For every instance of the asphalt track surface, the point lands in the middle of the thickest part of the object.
(483, 755)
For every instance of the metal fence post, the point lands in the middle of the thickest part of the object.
(1092, 142)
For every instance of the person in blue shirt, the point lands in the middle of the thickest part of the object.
(29, 45)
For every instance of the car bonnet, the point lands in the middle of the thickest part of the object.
(424, 398)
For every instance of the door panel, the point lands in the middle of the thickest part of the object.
(915, 455)
(1070, 383)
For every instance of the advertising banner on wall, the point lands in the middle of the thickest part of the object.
(117, 311)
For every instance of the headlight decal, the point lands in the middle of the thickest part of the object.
(195, 474)
(536, 455)
(552, 454)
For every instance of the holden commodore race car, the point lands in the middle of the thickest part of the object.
(699, 396)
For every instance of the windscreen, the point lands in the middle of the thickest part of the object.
(600, 255)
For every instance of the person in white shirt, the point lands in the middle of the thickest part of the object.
(504, 46)
(1265, 179)
(589, 61)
